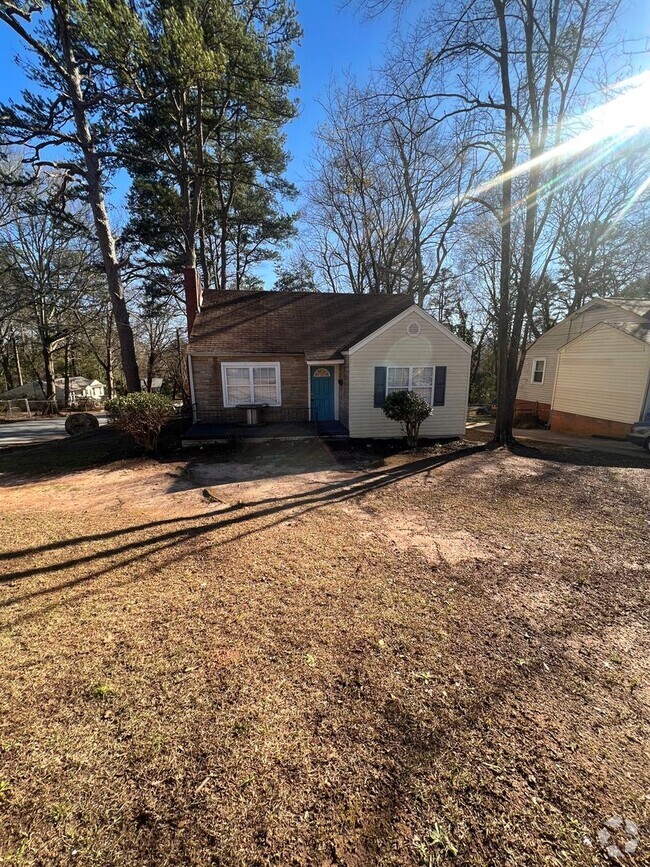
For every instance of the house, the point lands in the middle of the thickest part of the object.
(156, 384)
(80, 387)
(320, 359)
(590, 373)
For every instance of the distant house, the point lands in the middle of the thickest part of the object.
(590, 374)
(325, 358)
(156, 383)
(80, 387)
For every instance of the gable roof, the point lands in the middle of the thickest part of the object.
(638, 330)
(77, 381)
(640, 306)
(637, 306)
(321, 325)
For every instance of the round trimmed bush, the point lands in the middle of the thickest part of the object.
(410, 410)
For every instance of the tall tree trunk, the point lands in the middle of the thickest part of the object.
(108, 367)
(97, 201)
(19, 372)
(151, 360)
(505, 394)
(50, 407)
(203, 248)
(5, 363)
(66, 375)
(223, 241)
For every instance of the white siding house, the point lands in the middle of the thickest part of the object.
(603, 374)
(412, 340)
(589, 374)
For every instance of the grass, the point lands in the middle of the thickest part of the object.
(297, 682)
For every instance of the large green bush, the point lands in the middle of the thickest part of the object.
(142, 415)
(410, 410)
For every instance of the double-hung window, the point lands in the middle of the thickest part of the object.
(417, 379)
(539, 366)
(250, 383)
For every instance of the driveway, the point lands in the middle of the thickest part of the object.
(591, 444)
(36, 430)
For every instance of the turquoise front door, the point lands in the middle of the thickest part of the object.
(322, 393)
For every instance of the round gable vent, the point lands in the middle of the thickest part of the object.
(413, 329)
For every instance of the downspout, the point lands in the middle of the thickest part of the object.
(190, 375)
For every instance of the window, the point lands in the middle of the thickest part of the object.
(250, 383)
(417, 379)
(539, 366)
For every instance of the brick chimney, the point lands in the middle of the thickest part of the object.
(193, 295)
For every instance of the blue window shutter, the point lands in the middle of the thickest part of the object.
(380, 386)
(439, 386)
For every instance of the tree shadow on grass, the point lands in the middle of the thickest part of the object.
(49, 460)
(262, 515)
(564, 454)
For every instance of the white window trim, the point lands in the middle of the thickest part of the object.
(251, 365)
(532, 370)
(409, 387)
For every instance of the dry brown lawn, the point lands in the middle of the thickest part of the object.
(287, 660)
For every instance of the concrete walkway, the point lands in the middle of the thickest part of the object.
(590, 444)
(36, 430)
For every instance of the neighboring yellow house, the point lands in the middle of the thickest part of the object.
(590, 374)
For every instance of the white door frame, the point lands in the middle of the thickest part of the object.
(333, 363)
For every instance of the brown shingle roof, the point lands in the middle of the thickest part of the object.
(320, 325)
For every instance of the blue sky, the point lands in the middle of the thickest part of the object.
(335, 40)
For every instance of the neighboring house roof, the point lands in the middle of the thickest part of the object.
(639, 330)
(640, 306)
(321, 325)
(78, 382)
(35, 390)
(156, 382)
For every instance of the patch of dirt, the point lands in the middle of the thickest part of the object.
(413, 530)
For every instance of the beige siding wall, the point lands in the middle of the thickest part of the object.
(396, 348)
(604, 375)
(548, 344)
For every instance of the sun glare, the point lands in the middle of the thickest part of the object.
(598, 134)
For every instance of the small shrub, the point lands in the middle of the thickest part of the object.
(101, 690)
(410, 410)
(86, 403)
(142, 415)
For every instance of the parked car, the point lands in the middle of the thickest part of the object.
(640, 434)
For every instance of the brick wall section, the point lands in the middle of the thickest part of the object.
(209, 397)
(531, 407)
(584, 425)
